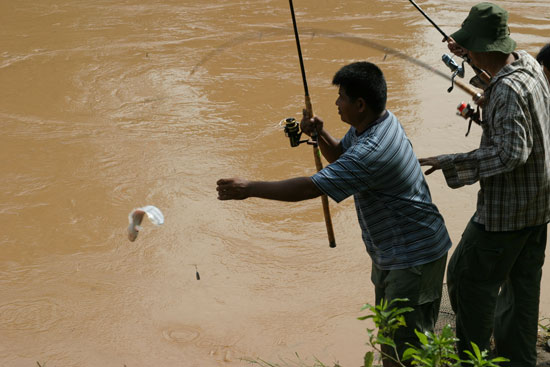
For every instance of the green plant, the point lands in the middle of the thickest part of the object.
(387, 318)
(545, 326)
(287, 363)
(479, 359)
(434, 350)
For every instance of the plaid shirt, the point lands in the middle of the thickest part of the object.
(512, 163)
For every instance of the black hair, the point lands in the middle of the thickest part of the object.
(363, 80)
(544, 56)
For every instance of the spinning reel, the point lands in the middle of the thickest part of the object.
(465, 109)
(469, 113)
(455, 69)
(293, 132)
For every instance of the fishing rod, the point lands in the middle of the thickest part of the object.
(271, 31)
(445, 37)
(292, 131)
(457, 70)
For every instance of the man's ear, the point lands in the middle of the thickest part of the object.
(361, 104)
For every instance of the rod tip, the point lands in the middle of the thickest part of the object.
(332, 244)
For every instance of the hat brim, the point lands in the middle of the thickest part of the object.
(479, 44)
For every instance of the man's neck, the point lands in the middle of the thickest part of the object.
(367, 122)
(494, 64)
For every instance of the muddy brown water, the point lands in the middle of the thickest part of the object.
(110, 105)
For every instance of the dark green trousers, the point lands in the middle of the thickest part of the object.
(422, 285)
(494, 287)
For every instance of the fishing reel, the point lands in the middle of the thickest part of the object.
(457, 70)
(469, 113)
(292, 131)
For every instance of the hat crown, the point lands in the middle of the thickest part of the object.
(487, 20)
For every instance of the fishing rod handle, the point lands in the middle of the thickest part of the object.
(471, 91)
(324, 200)
(483, 75)
(319, 166)
(328, 222)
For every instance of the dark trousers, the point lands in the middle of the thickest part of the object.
(422, 286)
(494, 287)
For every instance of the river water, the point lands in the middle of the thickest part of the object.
(106, 106)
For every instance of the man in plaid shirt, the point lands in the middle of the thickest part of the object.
(495, 272)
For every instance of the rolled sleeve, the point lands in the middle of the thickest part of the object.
(342, 178)
(449, 170)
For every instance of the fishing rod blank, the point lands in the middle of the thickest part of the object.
(445, 37)
(316, 151)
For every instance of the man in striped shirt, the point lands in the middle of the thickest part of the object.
(402, 229)
(495, 272)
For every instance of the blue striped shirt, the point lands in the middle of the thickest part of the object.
(401, 226)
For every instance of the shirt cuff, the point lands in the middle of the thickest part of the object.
(446, 162)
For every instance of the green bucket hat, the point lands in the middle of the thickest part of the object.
(485, 29)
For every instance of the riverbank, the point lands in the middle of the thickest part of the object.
(543, 351)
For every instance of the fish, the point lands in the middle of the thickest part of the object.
(136, 217)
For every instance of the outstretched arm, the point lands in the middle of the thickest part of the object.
(506, 148)
(294, 189)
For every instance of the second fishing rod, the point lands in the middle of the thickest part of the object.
(481, 80)
(457, 70)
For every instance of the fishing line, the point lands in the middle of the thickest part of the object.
(324, 33)
(268, 32)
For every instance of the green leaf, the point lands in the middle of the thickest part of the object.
(398, 300)
(447, 332)
(409, 353)
(369, 359)
(384, 340)
(476, 350)
(500, 359)
(421, 336)
(469, 354)
(365, 306)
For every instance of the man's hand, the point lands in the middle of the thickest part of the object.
(233, 189)
(431, 161)
(309, 124)
(455, 48)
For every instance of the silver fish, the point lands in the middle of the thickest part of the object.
(136, 217)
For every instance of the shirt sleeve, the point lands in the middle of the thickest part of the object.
(506, 143)
(342, 178)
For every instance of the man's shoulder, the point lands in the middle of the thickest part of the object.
(386, 124)
(525, 69)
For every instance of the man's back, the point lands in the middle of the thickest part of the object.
(401, 226)
(515, 182)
